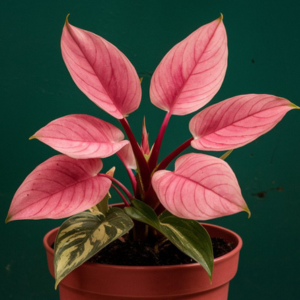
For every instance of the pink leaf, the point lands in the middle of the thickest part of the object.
(127, 157)
(237, 121)
(202, 187)
(192, 72)
(145, 139)
(101, 71)
(58, 188)
(82, 136)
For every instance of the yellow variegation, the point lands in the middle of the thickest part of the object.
(83, 235)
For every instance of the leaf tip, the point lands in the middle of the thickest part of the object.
(294, 106)
(247, 210)
(111, 171)
(67, 19)
(8, 219)
(32, 137)
(226, 154)
(67, 24)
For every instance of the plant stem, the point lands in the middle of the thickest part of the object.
(159, 209)
(165, 162)
(130, 174)
(121, 195)
(156, 148)
(141, 161)
(126, 191)
(151, 198)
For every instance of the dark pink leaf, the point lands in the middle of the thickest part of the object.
(202, 187)
(237, 121)
(101, 71)
(192, 72)
(82, 136)
(58, 188)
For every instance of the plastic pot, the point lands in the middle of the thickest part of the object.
(186, 282)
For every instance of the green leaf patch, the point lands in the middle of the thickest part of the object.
(187, 235)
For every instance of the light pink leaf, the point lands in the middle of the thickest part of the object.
(127, 157)
(192, 72)
(202, 187)
(82, 136)
(237, 121)
(101, 71)
(58, 188)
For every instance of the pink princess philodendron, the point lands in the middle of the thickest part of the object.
(165, 202)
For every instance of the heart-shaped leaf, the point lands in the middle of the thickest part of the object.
(58, 188)
(85, 234)
(187, 235)
(237, 121)
(101, 71)
(82, 136)
(192, 72)
(202, 187)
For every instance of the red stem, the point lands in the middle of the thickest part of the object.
(156, 148)
(130, 174)
(159, 209)
(165, 162)
(141, 161)
(121, 195)
(126, 191)
(151, 198)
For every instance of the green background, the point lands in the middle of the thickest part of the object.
(264, 41)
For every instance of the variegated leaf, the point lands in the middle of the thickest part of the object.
(101, 71)
(190, 237)
(142, 212)
(187, 235)
(192, 72)
(202, 187)
(83, 235)
(82, 136)
(102, 206)
(58, 188)
(237, 121)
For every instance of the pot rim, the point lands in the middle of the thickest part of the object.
(217, 260)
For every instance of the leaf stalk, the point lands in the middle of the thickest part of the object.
(156, 148)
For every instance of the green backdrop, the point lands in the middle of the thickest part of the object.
(264, 41)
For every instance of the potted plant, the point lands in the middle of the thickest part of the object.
(162, 205)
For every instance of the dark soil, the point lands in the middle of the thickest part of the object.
(135, 253)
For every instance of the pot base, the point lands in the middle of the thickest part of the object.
(216, 294)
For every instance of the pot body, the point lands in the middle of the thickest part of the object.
(178, 282)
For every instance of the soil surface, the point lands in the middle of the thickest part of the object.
(135, 253)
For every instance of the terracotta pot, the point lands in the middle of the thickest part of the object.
(185, 282)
